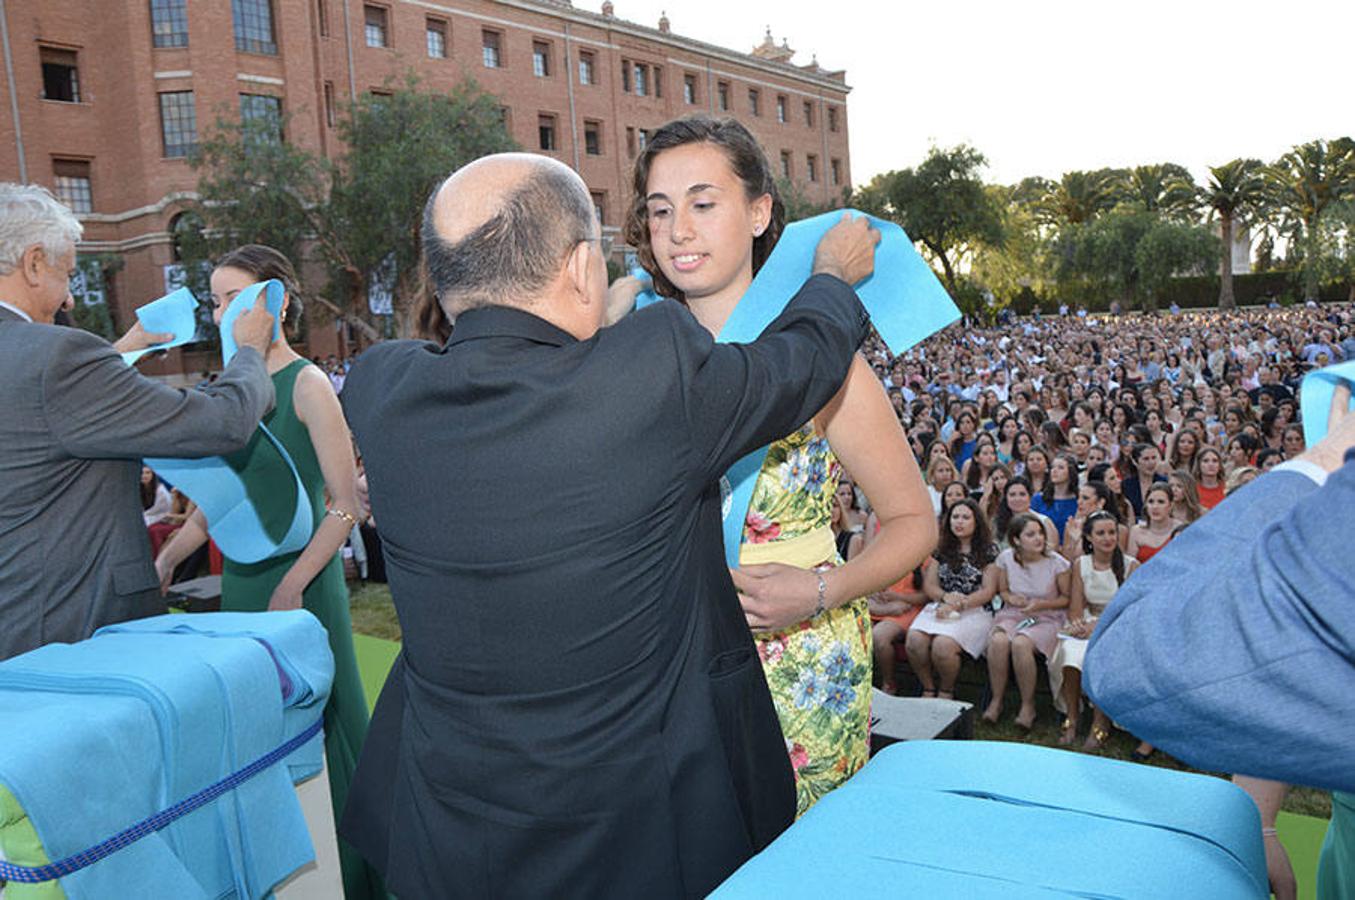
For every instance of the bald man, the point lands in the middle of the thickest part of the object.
(579, 709)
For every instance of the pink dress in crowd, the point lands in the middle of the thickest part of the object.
(1035, 579)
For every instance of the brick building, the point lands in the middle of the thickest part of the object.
(108, 97)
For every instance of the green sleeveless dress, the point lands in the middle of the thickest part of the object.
(248, 587)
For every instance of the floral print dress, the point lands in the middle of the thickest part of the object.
(819, 670)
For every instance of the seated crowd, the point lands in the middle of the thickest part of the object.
(1062, 454)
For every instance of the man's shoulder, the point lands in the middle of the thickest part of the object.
(35, 344)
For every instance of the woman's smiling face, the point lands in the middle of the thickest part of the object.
(701, 222)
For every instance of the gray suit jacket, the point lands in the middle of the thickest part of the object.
(74, 423)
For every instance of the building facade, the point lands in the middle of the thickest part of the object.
(107, 99)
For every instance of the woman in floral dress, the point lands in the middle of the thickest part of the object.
(705, 216)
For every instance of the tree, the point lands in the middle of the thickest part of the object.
(797, 205)
(943, 204)
(1132, 252)
(358, 215)
(1163, 188)
(1020, 265)
(1302, 185)
(1235, 192)
(1079, 197)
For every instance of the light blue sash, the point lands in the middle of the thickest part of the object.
(175, 313)
(1315, 398)
(906, 302)
(217, 488)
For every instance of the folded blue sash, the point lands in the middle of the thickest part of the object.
(906, 302)
(1315, 397)
(215, 485)
(112, 730)
(1016, 821)
(175, 313)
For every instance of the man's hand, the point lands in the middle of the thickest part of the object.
(254, 327)
(621, 298)
(137, 338)
(848, 250)
(1330, 452)
(776, 596)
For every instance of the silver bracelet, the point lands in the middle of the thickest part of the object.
(823, 595)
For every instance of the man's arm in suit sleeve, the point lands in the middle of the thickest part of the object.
(1234, 648)
(744, 396)
(101, 408)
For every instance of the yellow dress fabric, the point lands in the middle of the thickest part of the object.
(818, 670)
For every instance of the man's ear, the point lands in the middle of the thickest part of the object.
(29, 263)
(576, 267)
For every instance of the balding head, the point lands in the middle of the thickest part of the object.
(498, 230)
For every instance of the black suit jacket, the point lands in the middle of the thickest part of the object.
(579, 709)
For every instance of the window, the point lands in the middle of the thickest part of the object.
(689, 89)
(641, 79)
(722, 89)
(71, 177)
(491, 43)
(781, 108)
(658, 82)
(322, 16)
(435, 33)
(600, 205)
(836, 166)
(625, 75)
(630, 140)
(832, 118)
(587, 67)
(754, 104)
(265, 110)
(377, 28)
(809, 114)
(60, 75)
(540, 59)
(785, 164)
(504, 118)
(178, 123)
(329, 104)
(545, 127)
(169, 23)
(253, 26)
(642, 139)
(592, 137)
(812, 167)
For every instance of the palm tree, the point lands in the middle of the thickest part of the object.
(1236, 190)
(1303, 184)
(1164, 188)
(1079, 197)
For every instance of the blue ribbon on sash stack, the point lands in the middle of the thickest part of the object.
(216, 487)
(113, 730)
(906, 302)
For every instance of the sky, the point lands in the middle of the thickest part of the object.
(1045, 86)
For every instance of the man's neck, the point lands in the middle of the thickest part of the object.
(18, 311)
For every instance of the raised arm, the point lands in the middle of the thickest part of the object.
(103, 409)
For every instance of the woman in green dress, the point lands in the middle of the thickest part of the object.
(308, 421)
(706, 214)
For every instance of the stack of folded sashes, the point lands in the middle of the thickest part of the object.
(104, 734)
(976, 819)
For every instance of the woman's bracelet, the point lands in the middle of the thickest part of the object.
(348, 517)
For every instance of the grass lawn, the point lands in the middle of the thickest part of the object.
(374, 616)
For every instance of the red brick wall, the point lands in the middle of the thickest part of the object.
(117, 123)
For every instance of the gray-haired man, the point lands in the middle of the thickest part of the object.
(74, 554)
